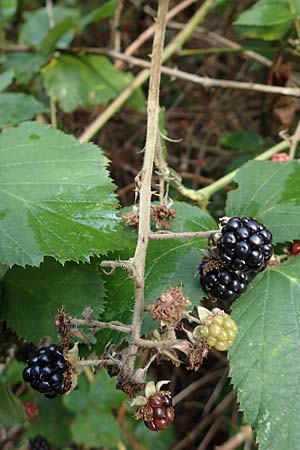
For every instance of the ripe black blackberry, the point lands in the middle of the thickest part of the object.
(245, 245)
(38, 443)
(46, 371)
(220, 282)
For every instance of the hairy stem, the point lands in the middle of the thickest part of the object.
(146, 177)
(182, 235)
(114, 325)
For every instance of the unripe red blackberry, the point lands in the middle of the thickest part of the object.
(296, 248)
(281, 157)
(220, 282)
(218, 330)
(245, 245)
(159, 411)
(38, 443)
(46, 371)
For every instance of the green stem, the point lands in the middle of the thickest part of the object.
(202, 196)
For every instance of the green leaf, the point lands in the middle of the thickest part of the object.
(95, 425)
(11, 409)
(169, 263)
(53, 36)
(56, 197)
(243, 140)
(18, 107)
(36, 25)
(8, 9)
(96, 428)
(12, 374)
(31, 297)
(265, 357)
(270, 192)
(101, 391)
(59, 31)
(268, 33)
(266, 19)
(6, 79)
(53, 422)
(24, 64)
(87, 80)
(103, 12)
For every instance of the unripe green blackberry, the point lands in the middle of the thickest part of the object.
(218, 330)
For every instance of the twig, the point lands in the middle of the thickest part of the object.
(196, 385)
(146, 176)
(176, 43)
(113, 325)
(165, 343)
(192, 435)
(209, 435)
(184, 235)
(201, 196)
(235, 441)
(207, 82)
(212, 36)
(115, 39)
(51, 21)
(294, 141)
(135, 45)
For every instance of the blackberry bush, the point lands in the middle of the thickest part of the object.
(245, 245)
(221, 283)
(46, 371)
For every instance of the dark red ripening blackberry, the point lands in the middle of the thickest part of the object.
(245, 245)
(45, 371)
(220, 282)
(162, 411)
(38, 443)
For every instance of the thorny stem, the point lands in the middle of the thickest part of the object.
(207, 82)
(163, 171)
(165, 343)
(135, 45)
(114, 325)
(184, 235)
(146, 177)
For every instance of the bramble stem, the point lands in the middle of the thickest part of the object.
(202, 196)
(184, 235)
(113, 325)
(146, 177)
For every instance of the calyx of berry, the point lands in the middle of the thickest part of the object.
(156, 410)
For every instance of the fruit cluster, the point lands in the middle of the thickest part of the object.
(159, 411)
(38, 443)
(242, 250)
(46, 371)
(245, 245)
(218, 330)
(221, 282)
